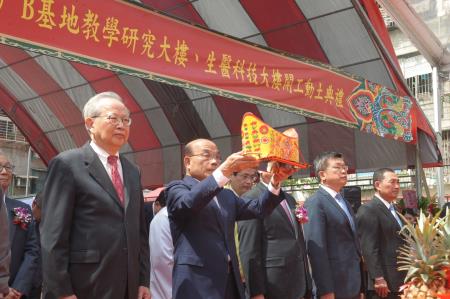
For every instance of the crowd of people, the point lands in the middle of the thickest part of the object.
(226, 230)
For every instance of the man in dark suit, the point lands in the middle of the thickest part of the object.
(36, 288)
(273, 251)
(202, 216)
(94, 237)
(22, 237)
(331, 236)
(379, 231)
(4, 246)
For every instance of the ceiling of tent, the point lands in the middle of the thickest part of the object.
(44, 95)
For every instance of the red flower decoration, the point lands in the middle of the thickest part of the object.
(263, 129)
(301, 214)
(22, 217)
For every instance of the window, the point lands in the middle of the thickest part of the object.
(421, 87)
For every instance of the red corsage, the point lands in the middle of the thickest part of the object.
(301, 214)
(22, 217)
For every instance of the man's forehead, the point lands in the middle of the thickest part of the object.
(250, 171)
(204, 145)
(4, 159)
(112, 104)
(336, 161)
(390, 176)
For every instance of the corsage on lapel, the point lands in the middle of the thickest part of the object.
(22, 217)
(301, 214)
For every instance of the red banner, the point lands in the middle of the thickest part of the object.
(130, 39)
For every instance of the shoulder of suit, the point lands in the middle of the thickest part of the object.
(13, 203)
(367, 207)
(315, 198)
(69, 155)
(176, 183)
(255, 191)
(128, 163)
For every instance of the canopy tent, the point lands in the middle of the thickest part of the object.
(44, 95)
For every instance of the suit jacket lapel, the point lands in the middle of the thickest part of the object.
(221, 214)
(338, 207)
(12, 227)
(386, 211)
(98, 172)
(127, 180)
(292, 224)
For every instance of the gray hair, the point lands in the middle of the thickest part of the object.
(94, 104)
(321, 161)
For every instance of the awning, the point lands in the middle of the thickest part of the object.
(44, 94)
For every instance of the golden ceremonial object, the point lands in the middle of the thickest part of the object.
(267, 144)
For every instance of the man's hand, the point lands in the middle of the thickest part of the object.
(144, 293)
(381, 287)
(280, 172)
(327, 296)
(260, 296)
(69, 297)
(237, 162)
(13, 294)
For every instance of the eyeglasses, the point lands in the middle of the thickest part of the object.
(7, 167)
(208, 156)
(247, 177)
(340, 168)
(115, 120)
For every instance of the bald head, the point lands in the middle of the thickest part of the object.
(189, 148)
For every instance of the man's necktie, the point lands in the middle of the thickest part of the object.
(286, 208)
(342, 204)
(115, 177)
(394, 213)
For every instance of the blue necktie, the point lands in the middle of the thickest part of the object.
(342, 204)
(394, 213)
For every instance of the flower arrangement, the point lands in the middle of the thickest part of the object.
(22, 217)
(301, 214)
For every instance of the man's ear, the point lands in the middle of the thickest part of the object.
(376, 185)
(88, 123)
(186, 161)
(322, 175)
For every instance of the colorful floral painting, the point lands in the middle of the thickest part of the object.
(381, 112)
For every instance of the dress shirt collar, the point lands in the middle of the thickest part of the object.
(329, 191)
(102, 154)
(386, 203)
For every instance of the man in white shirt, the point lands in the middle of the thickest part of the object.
(161, 253)
(93, 233)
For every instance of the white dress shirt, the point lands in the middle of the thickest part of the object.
(161, 256)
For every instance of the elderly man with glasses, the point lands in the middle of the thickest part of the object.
(202, 216)
(94, 236)
(22, 237)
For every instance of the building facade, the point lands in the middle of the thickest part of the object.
(417, 72)
(29, 171)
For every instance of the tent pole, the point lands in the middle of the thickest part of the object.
(418, 173)
(437, 111)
